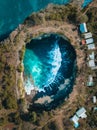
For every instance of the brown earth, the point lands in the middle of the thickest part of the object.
(78, 97)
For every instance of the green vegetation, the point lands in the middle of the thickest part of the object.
(11, 112)
(21, 53)
(69, 13)
(34, 19)
(20, 68)
(58, 13)
(92, 119)
(7, 77)
(2, 121)
(9, 102)
(14, 117)
(61, 13)
(92, 21)
(33, 117)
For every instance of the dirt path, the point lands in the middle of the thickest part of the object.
(62, 27)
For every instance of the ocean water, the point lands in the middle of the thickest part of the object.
(13, 12)
(40, 62)
(48, 63)
(86, 2)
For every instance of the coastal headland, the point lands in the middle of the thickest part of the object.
(63, 20)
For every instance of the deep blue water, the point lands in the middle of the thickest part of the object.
(13, 12)
(49, 64)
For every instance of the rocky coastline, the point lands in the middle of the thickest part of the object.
(25, 32)
(47, 23)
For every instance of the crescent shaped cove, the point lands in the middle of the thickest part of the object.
(50, 68)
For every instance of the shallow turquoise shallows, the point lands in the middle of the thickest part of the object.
(14, 12)
(49, 67)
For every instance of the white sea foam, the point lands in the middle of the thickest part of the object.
(44, 72)
(55, 61)
(29, 86)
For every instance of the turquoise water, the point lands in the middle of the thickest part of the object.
(13, 12)
(41, 65)
(49, 62)
(86, 2)
(76, 125)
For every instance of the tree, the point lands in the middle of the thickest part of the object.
(14, 117)
(33, 117)
(20, 68)
(10, 102)
(2, 121)
(81, 18)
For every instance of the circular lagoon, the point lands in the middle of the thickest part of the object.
(49, 68)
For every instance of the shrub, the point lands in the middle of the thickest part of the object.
(20, 68)
(10, 102)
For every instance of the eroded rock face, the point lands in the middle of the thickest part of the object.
(49, 67)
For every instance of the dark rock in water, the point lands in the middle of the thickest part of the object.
(51, 62)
